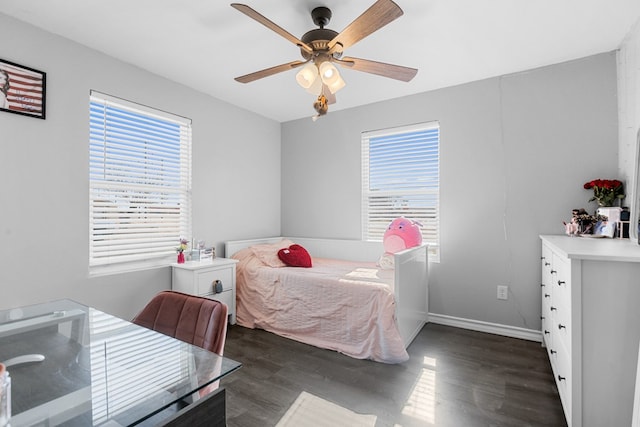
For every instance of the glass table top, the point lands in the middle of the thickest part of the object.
(98, 369)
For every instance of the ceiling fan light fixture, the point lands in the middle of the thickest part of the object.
(328, 72)
(337, 85)
(331, 77)
(307, 76)
(315, 88)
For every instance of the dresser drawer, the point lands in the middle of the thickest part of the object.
(562, 294)
(546, 301)
(547, 336)
(562, 327)
(206, 280)
(546, 268)
(546, 320)
(563, 379)
(547, 256)
(561, 282)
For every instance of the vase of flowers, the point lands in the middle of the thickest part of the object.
(606, 192)
(180, 249)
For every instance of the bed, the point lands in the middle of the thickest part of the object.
(344, 302)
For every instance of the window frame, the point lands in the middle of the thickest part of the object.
(429, 218)
(152, 199)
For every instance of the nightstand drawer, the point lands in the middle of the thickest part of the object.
(207, 279)
(225, 297)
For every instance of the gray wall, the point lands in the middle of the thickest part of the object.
(44, 226)
(515, 152)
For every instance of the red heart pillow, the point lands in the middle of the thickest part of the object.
(295, 256)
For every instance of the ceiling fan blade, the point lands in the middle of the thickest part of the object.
(271, 25)
(269, 71)
(377, 16)
(397, 72)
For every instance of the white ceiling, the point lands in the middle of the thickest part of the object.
(204, 44)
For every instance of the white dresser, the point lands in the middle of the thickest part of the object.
(199, 278)
(590, 292)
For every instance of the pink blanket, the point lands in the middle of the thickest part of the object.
(343, 306)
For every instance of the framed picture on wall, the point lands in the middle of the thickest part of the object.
(22, 90)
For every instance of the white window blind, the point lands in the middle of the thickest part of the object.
(401, 177)
(140, 182)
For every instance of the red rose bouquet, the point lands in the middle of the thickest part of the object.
(605, 191)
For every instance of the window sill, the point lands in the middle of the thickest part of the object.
(129, 267)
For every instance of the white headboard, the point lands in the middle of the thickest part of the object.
(233, 246)
(352, 250)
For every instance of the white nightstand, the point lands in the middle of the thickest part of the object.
(199, 277)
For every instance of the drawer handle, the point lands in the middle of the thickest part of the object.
(561, 326)
(553, 308)
(546, 332)
(541, 317)
(547, 295)
(542, 285)
(546, 264)
(542, 257)
(552, 351)
(561, 282)
(553, 271)
(561, 378)
(217, 286)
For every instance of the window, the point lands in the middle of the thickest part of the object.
(401, 177)
(139, 184)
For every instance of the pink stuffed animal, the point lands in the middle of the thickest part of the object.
(401, 234)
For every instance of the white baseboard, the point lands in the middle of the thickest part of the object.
(492, 328)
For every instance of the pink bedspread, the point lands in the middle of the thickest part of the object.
(343, 306)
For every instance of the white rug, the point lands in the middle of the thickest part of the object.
(312, 411)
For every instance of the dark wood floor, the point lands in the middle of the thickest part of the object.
(455, 377)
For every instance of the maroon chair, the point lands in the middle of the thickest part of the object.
(189, 318)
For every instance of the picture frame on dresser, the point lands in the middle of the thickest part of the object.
(604, 229)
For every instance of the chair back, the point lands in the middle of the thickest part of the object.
(196, 320)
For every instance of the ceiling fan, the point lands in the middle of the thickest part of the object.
(322, 47)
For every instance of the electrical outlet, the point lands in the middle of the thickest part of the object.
(503, 292)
